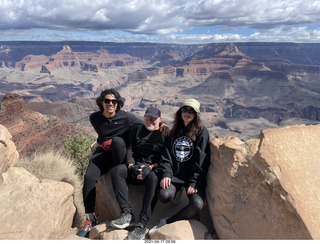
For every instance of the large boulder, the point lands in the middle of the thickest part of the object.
(181, 230)
(267, 187)
(9, 154)
(31, 209)
(107, 207)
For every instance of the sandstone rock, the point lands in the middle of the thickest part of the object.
(9, 154)
(105, 232)
(181, 230)
(107, 207)
(267, 187)
(31, 209)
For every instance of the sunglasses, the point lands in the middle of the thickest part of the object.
(107, 101)
(188, 110)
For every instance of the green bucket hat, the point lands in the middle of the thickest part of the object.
(192, 103)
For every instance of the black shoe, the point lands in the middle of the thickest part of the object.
(125, 220)
(138, 233)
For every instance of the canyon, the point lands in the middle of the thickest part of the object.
(242, 87)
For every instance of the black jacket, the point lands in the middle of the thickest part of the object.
(144, 146)
(118, 125)
(186, 162)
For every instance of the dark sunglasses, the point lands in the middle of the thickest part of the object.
(188, 110)
(107, 101)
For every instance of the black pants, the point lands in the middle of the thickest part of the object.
(120, 177)
(100, 163)
(191, 211)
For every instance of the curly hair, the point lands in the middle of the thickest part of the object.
(103, 94)
(191, 130)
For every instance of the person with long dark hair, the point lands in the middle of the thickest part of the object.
(112, 126)
(185, 162)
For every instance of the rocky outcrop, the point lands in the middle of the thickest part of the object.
(267, 187)
(107, 207)
(33, 209)
(180, 230)
(88, 61)
(31, 130)
(9, 155)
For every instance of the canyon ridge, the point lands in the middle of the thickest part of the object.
(242, 87)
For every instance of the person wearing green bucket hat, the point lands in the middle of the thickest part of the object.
(184, 162)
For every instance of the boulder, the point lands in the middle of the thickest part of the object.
(107, 207)
(181, 230)
(31, 209)
(267, 187)
(9, 154)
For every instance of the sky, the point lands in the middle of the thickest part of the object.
(161, 21)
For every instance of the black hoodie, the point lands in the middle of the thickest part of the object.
(186, 162)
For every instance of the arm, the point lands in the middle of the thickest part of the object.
(131, 142)
(164, 168)
(201, 160)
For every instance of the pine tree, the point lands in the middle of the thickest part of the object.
(78, 149)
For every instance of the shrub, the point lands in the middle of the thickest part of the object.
(78, 149)
(53, 165)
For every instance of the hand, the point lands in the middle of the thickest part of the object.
(191, 190)
(165, 183)
(144, 170)
(165, 129)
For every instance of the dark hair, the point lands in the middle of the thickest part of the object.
(103, 94)
(191, 130)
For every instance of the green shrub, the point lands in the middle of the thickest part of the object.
(78, 149)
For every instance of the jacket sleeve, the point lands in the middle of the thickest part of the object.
(134, 120)
(201, 164)
(165, 164)
(131, 144)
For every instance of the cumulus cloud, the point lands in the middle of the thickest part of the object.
(162, 17)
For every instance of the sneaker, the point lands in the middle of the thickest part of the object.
(162, 222)
(138, 233)
(125, 220)
(85, 229)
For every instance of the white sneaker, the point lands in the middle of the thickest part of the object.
(162, 222)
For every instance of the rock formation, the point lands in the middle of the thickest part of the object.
(32, 131)
(31, 209)
(267, 187)
(264, 188)
(9, 155)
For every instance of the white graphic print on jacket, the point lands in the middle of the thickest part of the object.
(182, 148)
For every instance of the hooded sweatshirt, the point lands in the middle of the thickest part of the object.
(185, 161)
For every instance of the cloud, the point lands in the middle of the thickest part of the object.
(161, 17)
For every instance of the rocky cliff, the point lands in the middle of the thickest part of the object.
(277, 82)
(264, 188)
(267, 187)
(32, 131)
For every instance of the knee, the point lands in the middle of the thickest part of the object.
(119, 171)
(165, 195)
(118, 142)
(197, 204)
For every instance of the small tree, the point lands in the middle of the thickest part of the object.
(78, 149)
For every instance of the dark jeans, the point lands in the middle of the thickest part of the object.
(100, 163)
(120, 177)
(191, 211)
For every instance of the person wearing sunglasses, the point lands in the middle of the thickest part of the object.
(112, 126)
(184, 162)
(145, 145)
